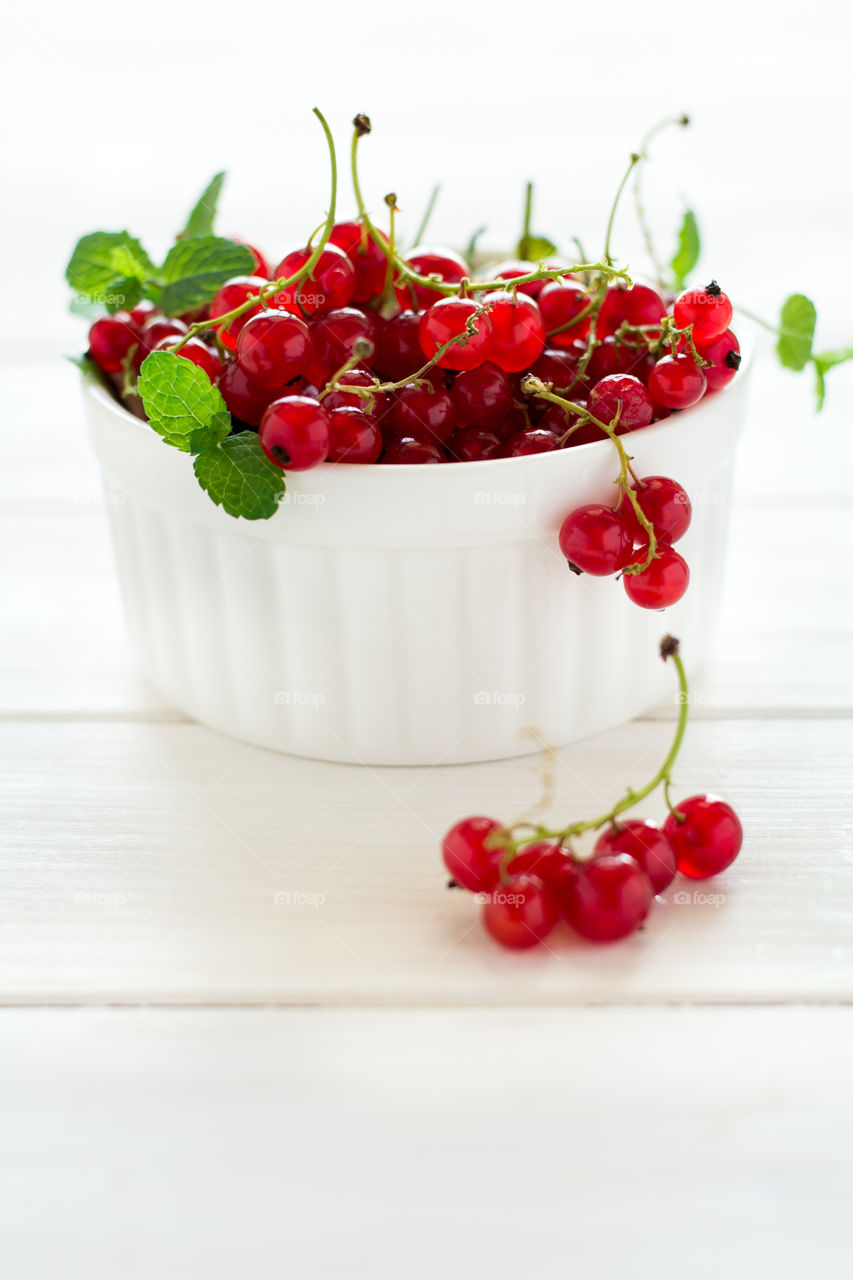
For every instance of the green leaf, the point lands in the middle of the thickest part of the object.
(823, 362)
(201, 220)
(103, 263)
(240, 478)
(535, 248)
(796, 332)
(689, 248)
(181, 403)
(195, 269)
(123, 294)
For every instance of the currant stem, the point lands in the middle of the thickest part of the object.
(635, 159)
(639, 206)
(428, 212)
(524, 242)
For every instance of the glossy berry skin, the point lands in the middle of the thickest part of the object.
(530, 440)
(482, 397)
(556, 419)
(111, 339)
(341, 399)
(545, 859)
(665, 503)
(608, 898)
(471, 864)
(422, 411)
(724, 356)
(198, 353)
(644, 841)
(332, 284)
(559, 366)
(444, 263)
(677, 382)
(353, 436)
(520, 913)
(560, 301)
(663, 583)
(473, 444)
(262, 267)
(152, 333)
(143, 311)
(369, 262)
(295, 433)
(636, 306)
(411, 451)
(231, 295)
(244, 398)
(398, 347)
(334, 335)
(618, 357)
(708, 310)
(596, 540)
(449, 318)
(710, 838)
(515, 267)
(625, 394)
(518, 337)
(274, 347)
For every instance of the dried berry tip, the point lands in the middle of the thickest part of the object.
(685, 120)
(574, 568)
(733, 359)
(362, 124)
(452, 884)
(669, 647)
(714, 289)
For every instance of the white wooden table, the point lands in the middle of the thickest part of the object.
(247, 1031)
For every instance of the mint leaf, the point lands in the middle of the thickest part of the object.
(195, 269)
(535, 248)
(108, 267)
(181, 403)
(823, 362)
(240, 478)
(796, 332)
(201, 220)
(687, 253)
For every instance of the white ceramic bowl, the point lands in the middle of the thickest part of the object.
(407, 615)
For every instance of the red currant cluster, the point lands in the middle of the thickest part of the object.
(528, 876)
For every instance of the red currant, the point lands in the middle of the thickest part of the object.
(724, 356)
(294, 433)
(560, 301)
(663, 583)
(245, 399)
(545, 859)
(143, 311)
(262, 267)
(473, 444)
(410, 450)
(608, 898)
(232, 294)
(398, 348)
(677, 382)
(374, 406)
(611, 357)
(646, 844)
(331, 285)
(512, 269)
(335, 335)
(520, 913)
(368, 260)
(353, 436)
(635, 306)
(198, 353)
(518, 331)
(530, 440)
(559, 366)
(422, 411)
(111, 339)
(596, 540)
(482, 397)
(625, 394)
(152, 334)
(708, 310)
(449, 318)
(664, 503)
(708, 839)
(273, 347)
(472, 852)
(444, 263)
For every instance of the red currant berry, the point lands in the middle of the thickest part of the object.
(331, 285)
(232, 294)
(472, 852)
(335, 335)
(663, 583)
(294, 433)
(375, 405)
(261, 266)
(444, 263)
(481, 397)
(624, 394)
(518, 331)
(580, 430)
(143, 311)
(198, 353)
(677, 382)
(368, 260)
(473, 444)
(608, 898)
(111, 339)
(644, 841)
(560, 302)
(423, 411)
(636, 306)
(545, 859)
(619, 357)
(664, 503)
(530, 440)
(520, 913)
(708, 310)
(152, 334)
(398, 348)
(273, 347)
(412, 450)
(708, 839)
(724, 356)
(596, 540)
(449, 318)
(512, 269)
(354, 436)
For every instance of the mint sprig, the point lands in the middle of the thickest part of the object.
(796, 332)
(687, 254)
(203, 214)
(240, 478)
(195, 269)
(109, 268)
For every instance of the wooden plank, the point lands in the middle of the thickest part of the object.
(427, 1143)
(167, 863)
